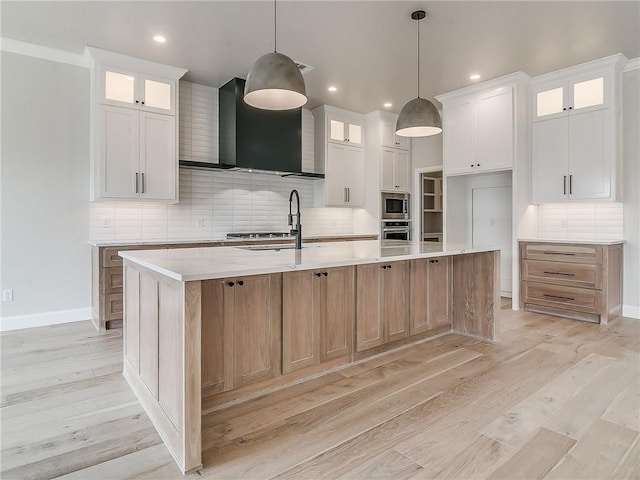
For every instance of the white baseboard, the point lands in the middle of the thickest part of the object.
(631, 311)
(43, 319)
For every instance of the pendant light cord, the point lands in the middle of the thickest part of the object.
(418, 22)
(275, 27)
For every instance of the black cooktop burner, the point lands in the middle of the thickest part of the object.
(259, 235)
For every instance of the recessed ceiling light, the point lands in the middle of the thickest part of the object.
(475, 76)
(387, 104)
(159, 39)
(333, 89)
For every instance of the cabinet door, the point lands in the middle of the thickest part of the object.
(438, 284)
(389, 137)
(393, 300)
(217, 332)
(589, 93)
(494, 130)
(401, 171)
(590, 155)
(337, 130)
(369, 326)
(459, 138)
(549, 177)
(157, 95)
(119, 87)
(118, 152)
(257, 317)
(354, 134)
(301, 313)
(335, 182)
(549, 101)
(338, 312)
(387, 170)
(354, 173)
(158, 164)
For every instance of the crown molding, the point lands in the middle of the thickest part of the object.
(46, 53)
(633, 64)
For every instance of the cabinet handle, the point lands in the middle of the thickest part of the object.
(561, 273)
(348, 194)
(317, 274)
(384, 267)
(477, 165)
(564, 183)
(570, 184)
(142, 102)
(472, 165)
(570, 108)
(564, 109)
(241, 283)
(558, 253)
(231, 284)
(136, 183)
(142, 176)
(137, 101)
(345, 195)
(557, 297)
(325, 274)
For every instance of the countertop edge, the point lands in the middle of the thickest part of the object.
(571, 241)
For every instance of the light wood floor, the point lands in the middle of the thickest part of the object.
(554, 399)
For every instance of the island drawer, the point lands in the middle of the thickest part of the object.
(560, 252)
(112, 279)
(561, 297)
(113, 306)
(562, 273)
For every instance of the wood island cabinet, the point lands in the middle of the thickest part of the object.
(241, 340)
(430, 294)
(317, 317)
(382, 307)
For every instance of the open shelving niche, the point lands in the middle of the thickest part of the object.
(431, 206)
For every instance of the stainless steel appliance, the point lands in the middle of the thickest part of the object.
(395, 206)
(396, 230)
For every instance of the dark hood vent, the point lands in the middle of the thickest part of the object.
(251, 138)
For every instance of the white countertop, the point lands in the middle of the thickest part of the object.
(188, 264)
(134, 243)
(572, 240)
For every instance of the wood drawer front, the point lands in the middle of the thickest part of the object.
(562, 273)
(110, 257)
(113, 280)
(567, 298)
(591, 254)
(113, 306)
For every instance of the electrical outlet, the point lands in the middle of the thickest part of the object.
(106, 222)
(563, 223)
(7, 295)
(200, 222)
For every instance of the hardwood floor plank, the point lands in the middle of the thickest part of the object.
(390, 464)
(520, 422)
(625, 408)
(629, 466)
(535, 458)
(598, 454)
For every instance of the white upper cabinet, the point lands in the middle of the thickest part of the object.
(480, 125)
(576, 133)
(340, 154)
(389, 137)
(395, 170)
(134, 130)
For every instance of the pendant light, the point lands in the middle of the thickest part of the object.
(419, 117)
(275, 82)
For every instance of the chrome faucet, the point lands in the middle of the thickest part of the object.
(297, 231)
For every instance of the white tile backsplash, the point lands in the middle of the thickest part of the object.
(214, 203)
(581, 221)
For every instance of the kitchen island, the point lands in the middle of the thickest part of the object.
(234, 321)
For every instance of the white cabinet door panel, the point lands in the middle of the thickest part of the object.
(335, 175)
(118, 151)
(549, 161)
(157, 156)
(402, 171)
(387, 170)
(459, 138)
(354, 173)
(494, 120)
(590, 155)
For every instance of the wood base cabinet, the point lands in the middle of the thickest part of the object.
(430, 294)
(382, 306)
(318, 311)
(241, 341)
(572, 280)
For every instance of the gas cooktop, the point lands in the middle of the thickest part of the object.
(259, 235)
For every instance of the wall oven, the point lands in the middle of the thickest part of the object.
(396, 230)
(395, 206)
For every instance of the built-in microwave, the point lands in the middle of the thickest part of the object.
(395, 206)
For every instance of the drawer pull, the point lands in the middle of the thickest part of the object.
(560, 273)
(558, 253)
(557, 297)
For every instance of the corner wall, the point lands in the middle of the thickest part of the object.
(45, 258)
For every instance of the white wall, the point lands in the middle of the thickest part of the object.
(631, 160)
(45, 187)
(426, 151)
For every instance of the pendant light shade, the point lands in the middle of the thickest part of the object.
(419, 117)
(275, 82)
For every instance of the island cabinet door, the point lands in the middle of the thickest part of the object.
(394, 290)
(216, 332)
(301, 311)
(369, 325)
(430, 285)
(337, 313)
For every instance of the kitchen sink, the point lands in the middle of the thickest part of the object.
(274, 247)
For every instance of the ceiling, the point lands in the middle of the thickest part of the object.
(367, 49)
